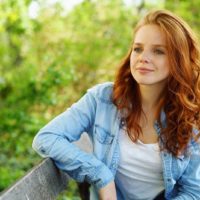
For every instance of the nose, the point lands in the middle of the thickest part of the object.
(144, 57)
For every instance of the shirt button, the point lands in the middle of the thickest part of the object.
(122, 123)
(169, 179)
(114, 165)
(43, 150)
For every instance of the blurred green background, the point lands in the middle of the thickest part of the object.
(50, 53)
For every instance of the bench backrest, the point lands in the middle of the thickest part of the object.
(43, 182)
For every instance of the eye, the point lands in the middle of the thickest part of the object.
(137, 49)
(159, 51)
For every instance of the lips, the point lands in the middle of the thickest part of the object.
(144, 70)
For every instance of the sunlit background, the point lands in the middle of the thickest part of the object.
(34, 6)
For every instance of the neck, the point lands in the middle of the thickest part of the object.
(150, 97)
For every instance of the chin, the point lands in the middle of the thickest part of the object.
(145, 82)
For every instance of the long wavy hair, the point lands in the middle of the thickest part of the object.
(180, 99)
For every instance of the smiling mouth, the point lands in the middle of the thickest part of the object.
(144, 70)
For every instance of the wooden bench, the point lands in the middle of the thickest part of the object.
(43, 182)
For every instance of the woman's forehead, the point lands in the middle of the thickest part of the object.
(150, 34)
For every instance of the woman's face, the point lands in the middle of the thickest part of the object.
(149, 59)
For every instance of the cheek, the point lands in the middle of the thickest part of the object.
(133, 60)
(164, 71)
(166, 67)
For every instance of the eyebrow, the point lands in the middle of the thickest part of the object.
(156, 45)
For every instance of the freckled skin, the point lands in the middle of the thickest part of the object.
(149, 59)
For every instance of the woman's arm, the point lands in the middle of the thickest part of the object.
(108, 192)
(55, 141)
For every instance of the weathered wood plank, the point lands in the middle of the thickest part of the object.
(44, 182)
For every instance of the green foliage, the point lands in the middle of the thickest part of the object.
(48, 62)
(186, 9)
(70, 194)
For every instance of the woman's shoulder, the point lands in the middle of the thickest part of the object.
(102, 91)
(195, 142)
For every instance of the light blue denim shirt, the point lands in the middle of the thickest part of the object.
(95, 114)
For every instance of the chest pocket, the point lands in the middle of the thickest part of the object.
(179, 165)
(102, 135)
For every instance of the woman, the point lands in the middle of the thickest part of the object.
(144, 127)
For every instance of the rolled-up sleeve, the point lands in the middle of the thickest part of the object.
(55, 141)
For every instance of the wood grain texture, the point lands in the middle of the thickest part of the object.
(43, 182)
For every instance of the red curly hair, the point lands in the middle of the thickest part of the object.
(181, 97)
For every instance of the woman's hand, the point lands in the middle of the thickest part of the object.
(108, 192)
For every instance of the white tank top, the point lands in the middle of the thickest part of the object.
(139, 175)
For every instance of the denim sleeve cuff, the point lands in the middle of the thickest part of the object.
(103, 176)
